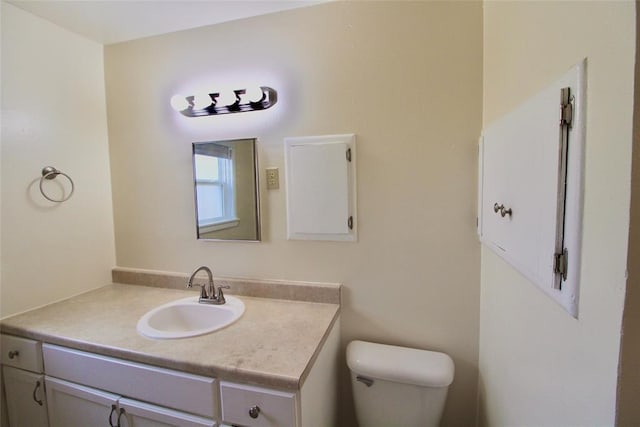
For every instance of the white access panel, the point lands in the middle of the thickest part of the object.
(530, 198)
(320, 184)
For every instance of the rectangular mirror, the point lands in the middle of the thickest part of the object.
(225, 176)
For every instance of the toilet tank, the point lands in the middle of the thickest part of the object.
(398, 386)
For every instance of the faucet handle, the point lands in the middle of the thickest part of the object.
(203, 291)
(220, 296)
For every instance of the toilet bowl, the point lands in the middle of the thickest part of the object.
(398, 386)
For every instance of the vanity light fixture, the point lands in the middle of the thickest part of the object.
(236, 101)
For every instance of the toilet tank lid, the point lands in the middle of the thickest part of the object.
(400, 364)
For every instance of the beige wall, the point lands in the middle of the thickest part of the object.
(53, 113)
(538, 365)
(405, 77)
(629, 372)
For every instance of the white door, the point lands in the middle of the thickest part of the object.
(139, 414)
(26, 400)
(74, 405)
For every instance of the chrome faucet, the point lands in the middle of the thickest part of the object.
(210, 295)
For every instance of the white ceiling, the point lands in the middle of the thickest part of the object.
(113, 21)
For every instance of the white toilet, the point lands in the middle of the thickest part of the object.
(398, 386)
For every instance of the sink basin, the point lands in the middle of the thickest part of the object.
(187, 317)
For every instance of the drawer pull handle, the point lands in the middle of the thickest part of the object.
(35, 394)
(13, 354)
(254, 411)
(113, 411)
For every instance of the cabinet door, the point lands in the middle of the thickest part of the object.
(139, 414)
(73, 405)
(321, 188)
(530, 194)
(26, 401)
(521, 176)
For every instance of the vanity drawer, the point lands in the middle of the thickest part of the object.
(276, 408)
(21, 353)
(173, 389)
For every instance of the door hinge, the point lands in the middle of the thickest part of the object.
(566, 107)
(348, 154)
(561, 263)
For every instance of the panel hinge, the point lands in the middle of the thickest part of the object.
(348, 154)
(561, 263)
(566, 108)
(350, 223)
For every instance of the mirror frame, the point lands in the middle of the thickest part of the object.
(256, 196)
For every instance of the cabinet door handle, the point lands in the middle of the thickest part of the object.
(122, 412)
(35, 392)
(13, 354)
(113, 411)
(254, 411)
(502, 209)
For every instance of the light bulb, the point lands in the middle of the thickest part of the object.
(252, 94)
(227, 97)
(179, 103)
(201, 101)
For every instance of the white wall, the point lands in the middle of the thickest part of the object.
(538, 365)
(405, 77)
(53, 113)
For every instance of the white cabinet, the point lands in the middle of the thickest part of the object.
(530, 187)
(85, 388)
(140, 414)
(77, 405)
(23, 382)
(257, 407)
(26, 399)
(21, 353)
(321, 188)
(314, 405)
(165, 387)
(521, 183)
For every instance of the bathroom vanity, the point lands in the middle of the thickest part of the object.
(82, 362)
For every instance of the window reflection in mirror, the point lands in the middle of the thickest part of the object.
(226, 190)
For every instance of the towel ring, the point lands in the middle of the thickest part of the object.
(49, 173)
